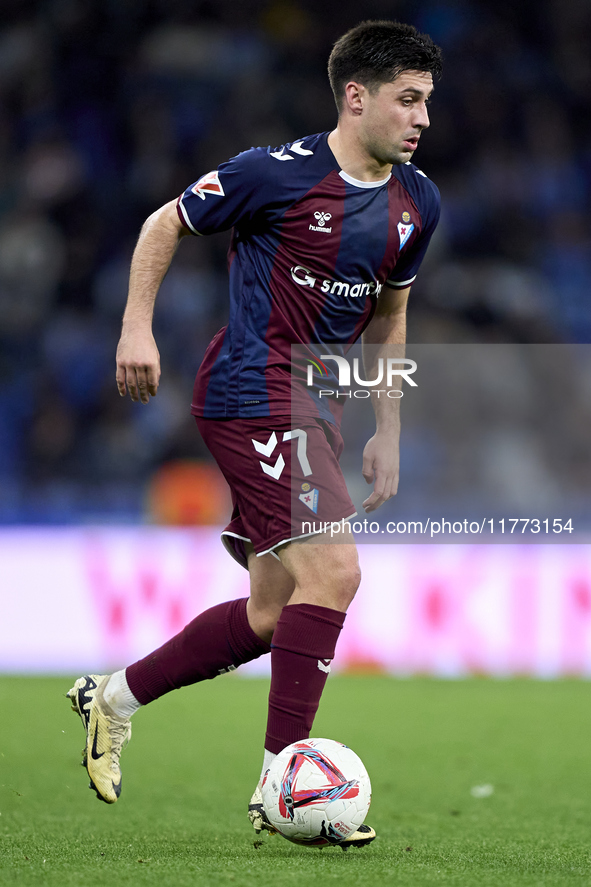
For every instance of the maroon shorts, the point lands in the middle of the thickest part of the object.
(286, 482)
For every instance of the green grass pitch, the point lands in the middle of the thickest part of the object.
(195, 757)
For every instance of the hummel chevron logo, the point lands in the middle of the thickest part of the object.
(265, 449)
(274, 470)
(296, 148)
(94, 752)
(324, 665)
(279, 155)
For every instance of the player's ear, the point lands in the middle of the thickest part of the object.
(353, 101)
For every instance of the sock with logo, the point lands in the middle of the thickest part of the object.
(218, 640)
(303, 646)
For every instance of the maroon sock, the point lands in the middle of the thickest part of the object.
(218, 640)
(303, 646)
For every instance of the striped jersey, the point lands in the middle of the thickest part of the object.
(311, 249)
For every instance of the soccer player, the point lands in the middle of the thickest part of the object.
(328, 234)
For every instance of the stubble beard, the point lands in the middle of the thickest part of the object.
(387, 153)
(399, 157)
(395, 157)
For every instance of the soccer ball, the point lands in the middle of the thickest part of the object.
(316, 792)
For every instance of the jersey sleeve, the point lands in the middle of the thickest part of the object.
(404, 272)
(228, 195)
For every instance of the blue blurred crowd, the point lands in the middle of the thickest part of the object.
(110, 108)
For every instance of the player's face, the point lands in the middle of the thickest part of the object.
(394, 117)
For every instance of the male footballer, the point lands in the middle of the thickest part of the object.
(328, 233)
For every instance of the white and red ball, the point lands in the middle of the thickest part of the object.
(316, 792)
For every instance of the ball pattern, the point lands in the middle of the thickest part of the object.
(316, 792)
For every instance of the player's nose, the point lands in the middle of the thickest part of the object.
(421, 117)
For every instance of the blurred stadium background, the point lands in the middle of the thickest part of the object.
(109, 109)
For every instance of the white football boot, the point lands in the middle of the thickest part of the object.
(256, 813)
(106, 735)
(363, 836)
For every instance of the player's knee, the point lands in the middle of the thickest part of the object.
(350, 580)
(341, 578)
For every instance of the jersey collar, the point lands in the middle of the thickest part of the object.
(359, 184)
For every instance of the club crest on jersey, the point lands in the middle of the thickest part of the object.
(405, 228)
(310, 499)
(208, 184)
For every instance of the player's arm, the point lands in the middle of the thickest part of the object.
(381, 453)
(138, 360)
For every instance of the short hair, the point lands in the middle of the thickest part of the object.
(376, 52)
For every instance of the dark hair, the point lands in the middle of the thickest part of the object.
(376, 52)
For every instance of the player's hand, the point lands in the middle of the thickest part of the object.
(381, 459)
(138, 366)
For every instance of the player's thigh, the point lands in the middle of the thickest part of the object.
(271, 587)
(325, 572)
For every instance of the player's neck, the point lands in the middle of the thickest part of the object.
(354, 159)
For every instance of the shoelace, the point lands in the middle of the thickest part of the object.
(120, 735)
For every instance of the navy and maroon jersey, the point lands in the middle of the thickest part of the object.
(311, 249)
